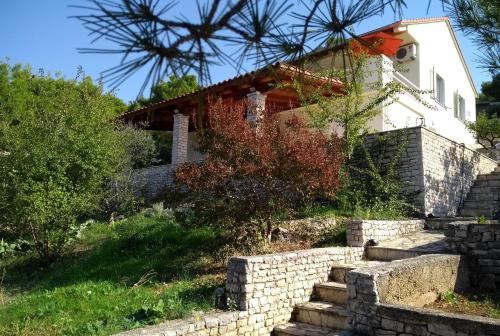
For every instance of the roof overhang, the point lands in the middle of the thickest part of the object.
(274, 80)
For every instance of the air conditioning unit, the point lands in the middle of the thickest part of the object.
(406, 53)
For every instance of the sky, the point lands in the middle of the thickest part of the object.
(41, 33)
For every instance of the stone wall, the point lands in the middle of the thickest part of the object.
(225, 323)
(359, 232)
(492, 153)
(269, 286)
(152, 181)
(386, 300)
(261, 292)
(437, 172)
(450, 170)
(481, 244)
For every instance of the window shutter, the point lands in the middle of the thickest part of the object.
(456, 111)
(433, 83)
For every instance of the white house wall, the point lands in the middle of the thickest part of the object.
(438, 54)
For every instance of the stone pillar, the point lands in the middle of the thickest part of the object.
(180, 138)
(256, 105)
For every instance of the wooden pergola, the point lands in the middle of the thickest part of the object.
(274, 82)
(267, 88)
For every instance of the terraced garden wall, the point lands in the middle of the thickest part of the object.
(261, 292)
(359, 232)
(437, 172)
(269, 286)
(481, 244)
(387, 300)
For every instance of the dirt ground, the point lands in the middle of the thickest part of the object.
(482, 303)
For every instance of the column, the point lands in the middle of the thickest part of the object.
(180, 138)
(256, 105)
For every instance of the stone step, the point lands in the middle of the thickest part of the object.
(386, 254)
(442, 223)
(495, 183)
(479, 204)
(476, 212)
(323, 314)
(483, 197)
(333, 292)
(493, 175)
(481, 190)
(339, 272)
(304, 329)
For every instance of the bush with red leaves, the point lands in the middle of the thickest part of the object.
(251, 173)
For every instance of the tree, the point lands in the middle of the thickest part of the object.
(251, 172)
(360, 100)
(261, 31)
(58, 149)
(174, 87)
(490, 91)
(486, 130)
(481, 20)
(147, 34)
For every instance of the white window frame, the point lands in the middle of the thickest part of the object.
(440, 95)
(459, 109)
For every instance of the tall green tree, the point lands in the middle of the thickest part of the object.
(58, 149)
(164, 90)
(490, 91)
(479, 19)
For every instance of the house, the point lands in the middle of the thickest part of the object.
(428, 58)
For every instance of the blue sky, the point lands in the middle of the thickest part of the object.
(40, 33)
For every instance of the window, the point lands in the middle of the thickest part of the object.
(440, 90)
(459, 107)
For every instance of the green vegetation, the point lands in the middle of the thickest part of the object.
(139, 271)
(164, 90)
(482, 303)
(320, 211)
(482, 220)
(486, 130)
(490, 91)
(58, 149)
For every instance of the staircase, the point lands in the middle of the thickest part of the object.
(326, 313)
(483, 198)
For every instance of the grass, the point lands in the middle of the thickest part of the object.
(141, 271)
(485, 304)
(357, 213)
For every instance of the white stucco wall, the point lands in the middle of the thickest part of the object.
(436, 54)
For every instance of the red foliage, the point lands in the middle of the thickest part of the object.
(262, 169)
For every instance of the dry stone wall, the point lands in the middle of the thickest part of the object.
(262, 292)
(268, 287)
(387, 300)
(359, 232)
(224, 323)
(437, 172)
(450, 170)
(150, 182)
(481, 244)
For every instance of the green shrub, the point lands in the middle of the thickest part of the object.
(58, 150)
(448, 296)
(486, 130)
(373, 189)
